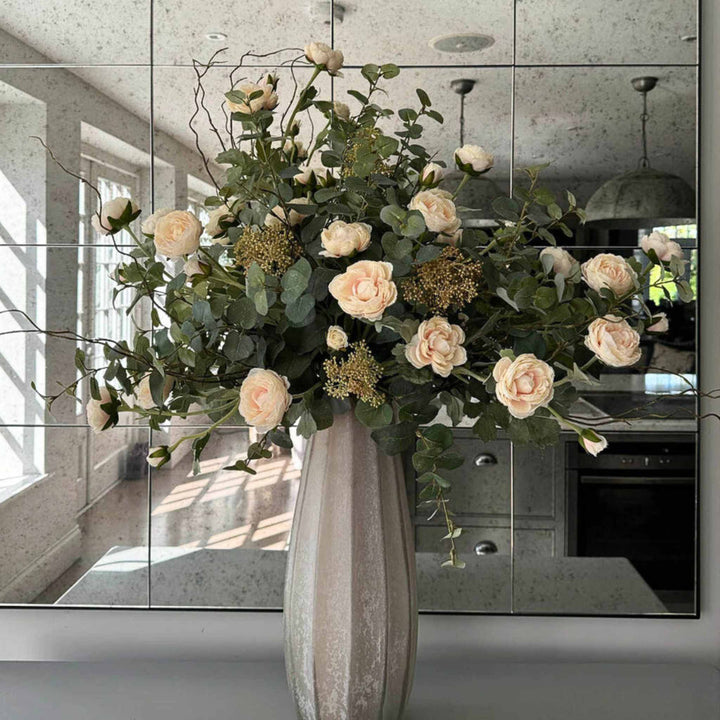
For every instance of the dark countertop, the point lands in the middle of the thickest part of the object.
(454, 688)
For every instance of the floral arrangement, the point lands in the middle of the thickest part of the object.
(339, 278)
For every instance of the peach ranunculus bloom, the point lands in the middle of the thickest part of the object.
(474, 158)
(524, 384)
(432, 174)
(613, 341)
(96, 416)
(342, 110)
(609, 271)
(593, 447)
(439, 344)
(322, 54)
(278, 217)
(336, 338)
(365, 289)
(148, 225)
(213, 228)
(563, 261)
(661, 324)
(177, 234)
(264, 398)
(664, 247)
(438, 209)
(142, 397)
(114, 209)
(340, 239)
(267, 101)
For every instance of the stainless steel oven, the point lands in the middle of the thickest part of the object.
(637, 500)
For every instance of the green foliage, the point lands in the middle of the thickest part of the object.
(211, 328)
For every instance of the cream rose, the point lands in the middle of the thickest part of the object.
(613, 341)
(609, 271)
(177, 234)
(340, 239)
(341, 110)
(149, 224)
(96, 416)
(524, 384)
(593, 447)
(473, 157)
(213, 227)
(264, 398)
(157, 456)
(267, 101)
(278, 215)
(664, 247)
(438, 209)
(306, 175)
(439, 344)
(450, 239)
(563, 261)
(295, 148)
(114, 209)
(432, 174)
(365, 289)
(336, 338)
(193, 266)
(142, 396)
(661, 323)
(323, 55)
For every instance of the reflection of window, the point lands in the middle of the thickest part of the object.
(97, 315)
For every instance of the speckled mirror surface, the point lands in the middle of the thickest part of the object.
(108, 87)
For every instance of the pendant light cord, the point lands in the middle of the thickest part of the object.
(644, 160)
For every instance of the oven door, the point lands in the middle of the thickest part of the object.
(648, 519)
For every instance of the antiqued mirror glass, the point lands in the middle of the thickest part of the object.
(598, 90)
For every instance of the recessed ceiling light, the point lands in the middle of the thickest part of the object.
(688, 38)
(461, 42)
(216, 36)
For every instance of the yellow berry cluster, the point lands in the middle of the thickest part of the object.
(274, 249)
(357, 374)
(450, 279)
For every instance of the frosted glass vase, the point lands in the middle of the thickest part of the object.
(350, 597)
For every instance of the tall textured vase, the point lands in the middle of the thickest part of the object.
(350, 599)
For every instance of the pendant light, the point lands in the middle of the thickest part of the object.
(477, 194)
(645, 197)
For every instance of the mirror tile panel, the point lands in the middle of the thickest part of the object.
(74, 513)
(75, 32)
(620, 536)
(96, 121)
(551, 531)
(63, 290)
(219, 537)
(253, 31)
(425, 33)
(586, 122)
(592, 32)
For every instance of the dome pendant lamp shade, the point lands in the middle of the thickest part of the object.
(644, 197)
(640, 199)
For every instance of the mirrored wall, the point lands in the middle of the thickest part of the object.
(86, 522)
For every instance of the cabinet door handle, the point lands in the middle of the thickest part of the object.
(485, 459)
(485, 547)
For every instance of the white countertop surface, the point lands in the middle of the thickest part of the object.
(451, 690)
(255, 578)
